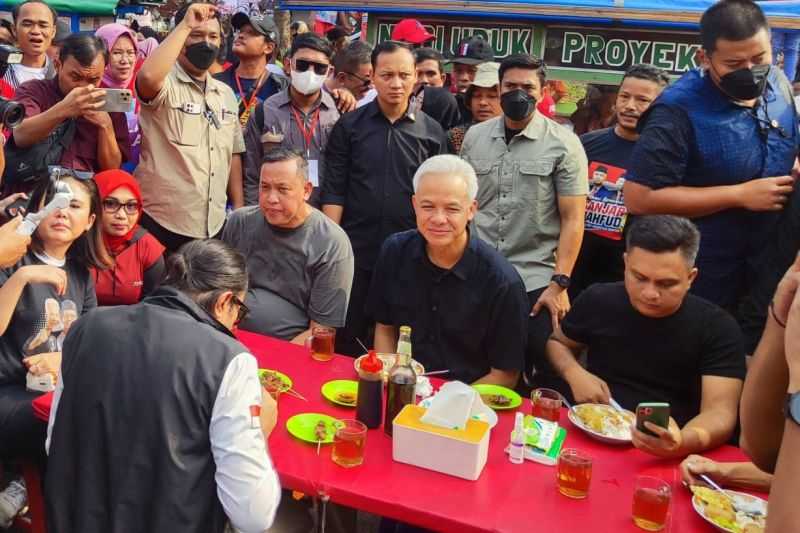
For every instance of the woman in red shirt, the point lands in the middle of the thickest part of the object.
(138, 256)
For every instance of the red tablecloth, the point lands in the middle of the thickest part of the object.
(506, 498)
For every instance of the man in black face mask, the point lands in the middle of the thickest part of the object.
(190, 163)
(532, 195)
(719, 146)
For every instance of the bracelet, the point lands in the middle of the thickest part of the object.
(775, 316)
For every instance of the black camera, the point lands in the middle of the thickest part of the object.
(11, 113)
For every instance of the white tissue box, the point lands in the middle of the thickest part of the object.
(460, 453)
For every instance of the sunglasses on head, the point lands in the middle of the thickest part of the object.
(302, 65)
(112, 205)
(57, 172)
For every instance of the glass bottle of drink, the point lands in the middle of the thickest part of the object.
(369, 405)
(402, 381)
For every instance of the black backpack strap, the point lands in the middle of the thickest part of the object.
(138, 234)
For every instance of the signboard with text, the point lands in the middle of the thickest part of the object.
(614, 50)
(505, 38)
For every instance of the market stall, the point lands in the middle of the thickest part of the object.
(83, 15)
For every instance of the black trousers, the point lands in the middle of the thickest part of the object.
(538, 370)
(600, 261)
(359, 325)
(22, 435)
(171, 241)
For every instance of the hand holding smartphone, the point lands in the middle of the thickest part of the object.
(118, 101)
(654, 412)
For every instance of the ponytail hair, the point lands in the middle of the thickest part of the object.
(204, 269)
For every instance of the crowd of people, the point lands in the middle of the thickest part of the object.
(364, 188)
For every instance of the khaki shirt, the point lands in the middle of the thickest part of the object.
(518, 188)
(185, 160)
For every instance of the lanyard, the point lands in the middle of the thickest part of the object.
(248, 102)
(308, 134)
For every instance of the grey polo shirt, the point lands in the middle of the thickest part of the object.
(280, 129)
(518, 188)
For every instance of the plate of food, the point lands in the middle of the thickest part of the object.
(312, 427)
(388, 360)
(603, 422)
(497, 397)
(274, 382)
(342, 392)
(721, 511)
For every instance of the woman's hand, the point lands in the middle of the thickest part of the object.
(44, 363)
(45, 274)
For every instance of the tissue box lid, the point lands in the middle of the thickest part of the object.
(410, 416)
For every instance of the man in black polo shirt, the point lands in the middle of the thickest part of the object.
(649, 340)
(370, 158)
(608, 150)
(465, 303)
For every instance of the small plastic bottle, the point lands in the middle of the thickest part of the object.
(516, 452)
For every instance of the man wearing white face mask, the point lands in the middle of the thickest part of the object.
(297, 118)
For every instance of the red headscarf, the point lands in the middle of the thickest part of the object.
(109, 181)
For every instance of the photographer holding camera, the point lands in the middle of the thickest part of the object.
(65, 123)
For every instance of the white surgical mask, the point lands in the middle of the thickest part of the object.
(307, 82)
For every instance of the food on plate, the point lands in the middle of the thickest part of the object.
(272, 381)
(321, 430)
(605, 420)
(496, 399)
(346, 397)
(719, 509)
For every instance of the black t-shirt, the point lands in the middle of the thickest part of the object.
(41, 316)
(441, 105)
(608, 156)
(468, 319)
(655, 359)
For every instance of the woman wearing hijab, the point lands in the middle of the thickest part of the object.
(123, 65)
(138, 256)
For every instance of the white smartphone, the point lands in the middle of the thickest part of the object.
(118, 101)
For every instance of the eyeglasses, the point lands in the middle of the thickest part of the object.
(302, 65)
(112, 205)
(119, 54)
(243, 309)
(366, 81)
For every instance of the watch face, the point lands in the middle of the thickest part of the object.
(794, 407)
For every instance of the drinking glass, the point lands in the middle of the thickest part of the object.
(348, 443)
(574, 473)
(546, 404)
(321, 343)
(651, 499)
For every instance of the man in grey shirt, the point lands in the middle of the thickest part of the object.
(531, 196)
(300, 262)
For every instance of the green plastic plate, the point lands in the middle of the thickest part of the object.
(515, 398)
(286, 379)
(332, 389)
(302, 427)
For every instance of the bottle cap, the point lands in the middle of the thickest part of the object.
(371, 363)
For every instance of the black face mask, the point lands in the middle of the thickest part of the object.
(745, 83)
(201, 55)
(517, 104)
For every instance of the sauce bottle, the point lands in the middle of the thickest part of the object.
(369, 405)
(402, 381)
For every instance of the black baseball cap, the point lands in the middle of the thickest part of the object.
(262, 24)
(473, 51)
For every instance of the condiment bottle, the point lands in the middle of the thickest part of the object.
(516, 451)
(402, 381)
(369, 405)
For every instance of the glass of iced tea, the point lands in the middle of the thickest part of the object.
(651, 498)
(574, 473)
(546, 404)
(321, 343)
(348, 443)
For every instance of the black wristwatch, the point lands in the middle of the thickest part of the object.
(562, 280)
(793, 407)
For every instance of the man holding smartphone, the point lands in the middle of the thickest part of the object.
(648, 340)
(100, 140)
